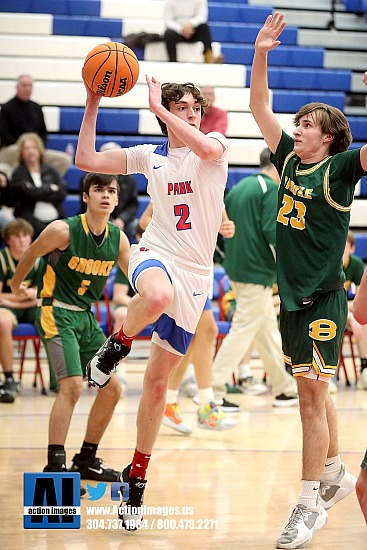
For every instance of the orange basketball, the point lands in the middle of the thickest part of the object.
(111, 69)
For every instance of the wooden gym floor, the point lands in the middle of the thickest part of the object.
(245, 481)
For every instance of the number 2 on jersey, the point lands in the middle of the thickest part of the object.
(182, 211)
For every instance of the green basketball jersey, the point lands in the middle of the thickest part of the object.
(78, 275)
(314, 203)
(353, 271)
(8, 266)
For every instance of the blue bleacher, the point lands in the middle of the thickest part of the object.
(361, 245)
(71, 205)
(219, 11)
(86, 26)
(286, 102)
(62, 7)
(109, 121)
(245, 33)
(289, 56)
(290, 78)
(355, 6)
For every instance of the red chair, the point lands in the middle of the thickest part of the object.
(24, 333)
(347, 339)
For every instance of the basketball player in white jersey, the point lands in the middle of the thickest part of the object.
(170, 267)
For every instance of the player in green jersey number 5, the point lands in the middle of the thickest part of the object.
(318, 176)
(79, 254)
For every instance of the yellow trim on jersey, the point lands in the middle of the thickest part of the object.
(287, 158)
(86, 228)
(84, 223)
(10, 259)
(49, 281)
(312, 169)
(47, 321)
(328, 196)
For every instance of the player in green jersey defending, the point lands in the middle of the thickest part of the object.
(80, 253)
(318, 176)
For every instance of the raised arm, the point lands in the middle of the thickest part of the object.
(207, 148)
(266, 40)
(87, 158)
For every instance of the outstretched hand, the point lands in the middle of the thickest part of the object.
(155, 100)
(267, 38)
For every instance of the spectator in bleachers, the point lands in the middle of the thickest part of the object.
(214, 119)
(354, 267)
(37, 188)
(360, 313)
(21, 115)
(79, 254)
(188, 22)
(250, 264)
(14, 309)
(318, 178)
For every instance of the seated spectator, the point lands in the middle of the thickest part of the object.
(124, 215)
(214, 118)
(188, 22)
(37, 188)
(21, 115)
(14, 309)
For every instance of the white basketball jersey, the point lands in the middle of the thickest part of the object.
(187, 195)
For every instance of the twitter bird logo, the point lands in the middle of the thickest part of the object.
(96, 492)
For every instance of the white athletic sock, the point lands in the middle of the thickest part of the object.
(309, 494)
(205, 395)
(244, 370)
(172, 396)
(332, 468)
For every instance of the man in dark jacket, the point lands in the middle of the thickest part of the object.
(20, 115)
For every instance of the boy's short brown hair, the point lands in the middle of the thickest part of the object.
(19, 225)
(331, 121)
